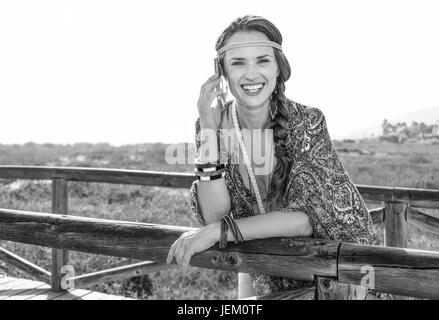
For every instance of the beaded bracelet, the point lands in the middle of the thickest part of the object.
(223, 235)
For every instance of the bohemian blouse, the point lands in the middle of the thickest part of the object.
(318, 185)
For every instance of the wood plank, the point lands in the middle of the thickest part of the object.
(11, 284)
(24, 287)
(24, 265)
(299, 258)
(120, 273)
(423, 221)
(5, 279)
(44, 288)
(73, 294)
(331, 289)
(60, 257)
(306, 293)
(116, 176)
(93, 295)
(406, 272)
(395, 223)
(380, 193)
(50, 295)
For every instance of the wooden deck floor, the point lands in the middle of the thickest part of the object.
(23, 289)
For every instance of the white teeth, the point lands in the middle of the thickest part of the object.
(253, 88)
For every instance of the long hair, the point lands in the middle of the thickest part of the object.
(278, 100)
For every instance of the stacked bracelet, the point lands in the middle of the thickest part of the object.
(231, 223)
(223, 235)
(209, 178)
(209, 171)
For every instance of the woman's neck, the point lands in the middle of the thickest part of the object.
(254, 117)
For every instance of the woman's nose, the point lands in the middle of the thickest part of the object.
(251, 72)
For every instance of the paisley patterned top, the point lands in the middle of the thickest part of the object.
(318, 185)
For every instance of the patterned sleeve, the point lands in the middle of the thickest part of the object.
(320, 186)
(193, 193)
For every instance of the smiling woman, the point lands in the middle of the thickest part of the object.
(303, 190)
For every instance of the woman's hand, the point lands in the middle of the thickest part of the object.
(192, 242)
(209, 91)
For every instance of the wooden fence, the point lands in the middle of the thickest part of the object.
(333, 264)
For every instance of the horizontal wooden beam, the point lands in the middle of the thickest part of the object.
(117, 176)
(400, 271)
(423, 221)
(184, 180)
(283, 257)
(24, 265)
(378, 193)
(119, 273)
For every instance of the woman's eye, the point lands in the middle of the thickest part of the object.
(264, 61)
(237, 63)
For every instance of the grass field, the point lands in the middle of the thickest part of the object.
(368, 162)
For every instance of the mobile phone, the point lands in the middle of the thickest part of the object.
(218, 71)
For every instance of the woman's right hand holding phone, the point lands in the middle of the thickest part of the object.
(210, 90)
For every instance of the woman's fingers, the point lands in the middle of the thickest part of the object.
(172, 252)
(186, 259)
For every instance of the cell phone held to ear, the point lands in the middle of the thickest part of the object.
(220, 99)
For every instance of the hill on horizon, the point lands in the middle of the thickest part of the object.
(427, 115)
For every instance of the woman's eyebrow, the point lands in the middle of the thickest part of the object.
(259, 57)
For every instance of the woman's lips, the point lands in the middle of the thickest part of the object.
(253, 89)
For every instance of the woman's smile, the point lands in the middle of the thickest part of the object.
(253, 89)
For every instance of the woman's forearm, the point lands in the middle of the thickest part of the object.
(273, 224)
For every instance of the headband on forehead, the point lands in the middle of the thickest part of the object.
(255, 43)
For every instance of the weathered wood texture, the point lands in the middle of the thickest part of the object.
(289, 257)
(417, 197)
(407, 272)
(378, 193)
(118, 176)
(330, 289)
(307, 293)
(401, 271)
(377, 215)
(119, 273)
(23, 289)
(24, 265)
(395, 223)
(60, 257)
(423, 221)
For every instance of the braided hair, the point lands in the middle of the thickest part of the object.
(278, 103)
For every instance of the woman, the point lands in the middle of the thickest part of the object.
(305, 192)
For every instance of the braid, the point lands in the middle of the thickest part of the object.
(280, 135)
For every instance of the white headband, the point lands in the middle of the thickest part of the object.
(255, 43)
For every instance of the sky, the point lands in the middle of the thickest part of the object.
(128, 72)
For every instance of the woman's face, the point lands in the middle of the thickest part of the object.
(251, 71)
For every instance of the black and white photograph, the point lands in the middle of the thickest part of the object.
(215, 155)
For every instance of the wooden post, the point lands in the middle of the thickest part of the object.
(395, 224)
(330, 289)
(395, 228)
(59, 256)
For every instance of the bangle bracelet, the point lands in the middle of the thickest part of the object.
(209, 169)
(209, 178)
(209, 174)
(223, 235)
(234, 228)
(203, 165)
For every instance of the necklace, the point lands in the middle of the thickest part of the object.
(247, 160)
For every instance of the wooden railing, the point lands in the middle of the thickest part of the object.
(397, 270)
